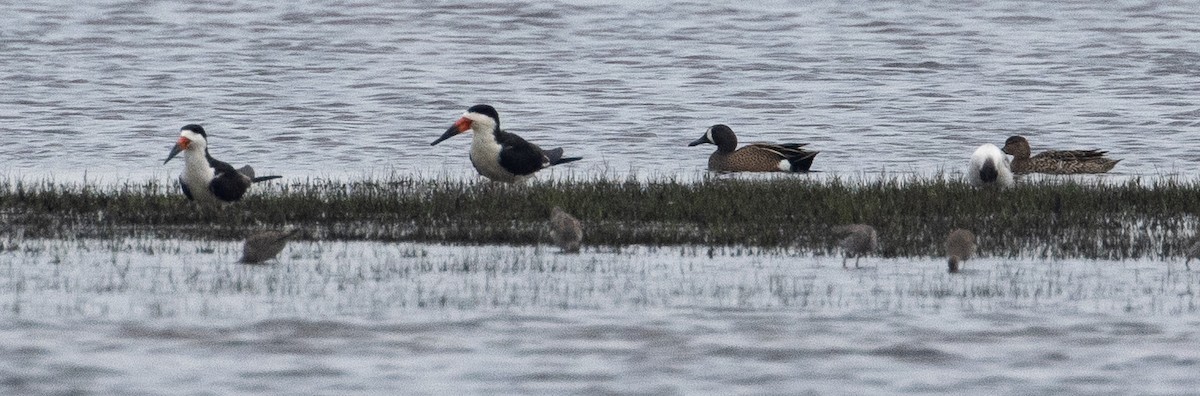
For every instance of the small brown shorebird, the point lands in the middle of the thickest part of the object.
(566, 230)
(960, 246)
(1193, 252)
(860, 240)
(989, 167)
(265, 245)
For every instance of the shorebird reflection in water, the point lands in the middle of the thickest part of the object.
(265, 245)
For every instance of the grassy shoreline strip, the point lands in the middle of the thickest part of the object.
(1052, 219)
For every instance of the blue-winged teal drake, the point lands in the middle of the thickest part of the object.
(960, 246)
(860, 240)
(204, 178)
(499, 155)
(265, 245)
(1058, 162)
(989, 167)
(787, 157)
(566, 230)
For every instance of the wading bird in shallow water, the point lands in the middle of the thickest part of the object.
(989, 167)
(265, 245)
(566, 230)
(499, 155)
(860, 240)
(759, 157)
(1193, 252)
(204, 178)
(1058, 162)
(960, 246)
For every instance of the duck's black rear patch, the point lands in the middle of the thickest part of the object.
(988, 172)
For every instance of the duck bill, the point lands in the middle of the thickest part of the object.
(462, 125)
(181, 145)
(697, 142)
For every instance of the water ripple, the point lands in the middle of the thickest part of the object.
(280, 86)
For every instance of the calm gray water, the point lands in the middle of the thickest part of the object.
(360, 88)
(180, 317)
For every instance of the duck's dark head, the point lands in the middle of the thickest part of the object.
(720, 135)
(1017, 147)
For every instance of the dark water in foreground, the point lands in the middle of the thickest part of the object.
(672, 351)
(145, 316)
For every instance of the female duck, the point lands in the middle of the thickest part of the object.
(1058, 162)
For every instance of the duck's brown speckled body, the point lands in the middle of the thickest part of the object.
(1058, 162)
(759, 157)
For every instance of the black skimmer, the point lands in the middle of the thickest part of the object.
(204, 178)
(265, 245)
(499, 155)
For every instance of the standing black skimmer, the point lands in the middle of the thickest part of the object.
(204, 178)
(499, 155)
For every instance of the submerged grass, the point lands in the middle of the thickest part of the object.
(1048, 219)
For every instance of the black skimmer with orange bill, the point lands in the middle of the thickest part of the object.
(204, 178)
(499, 155)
